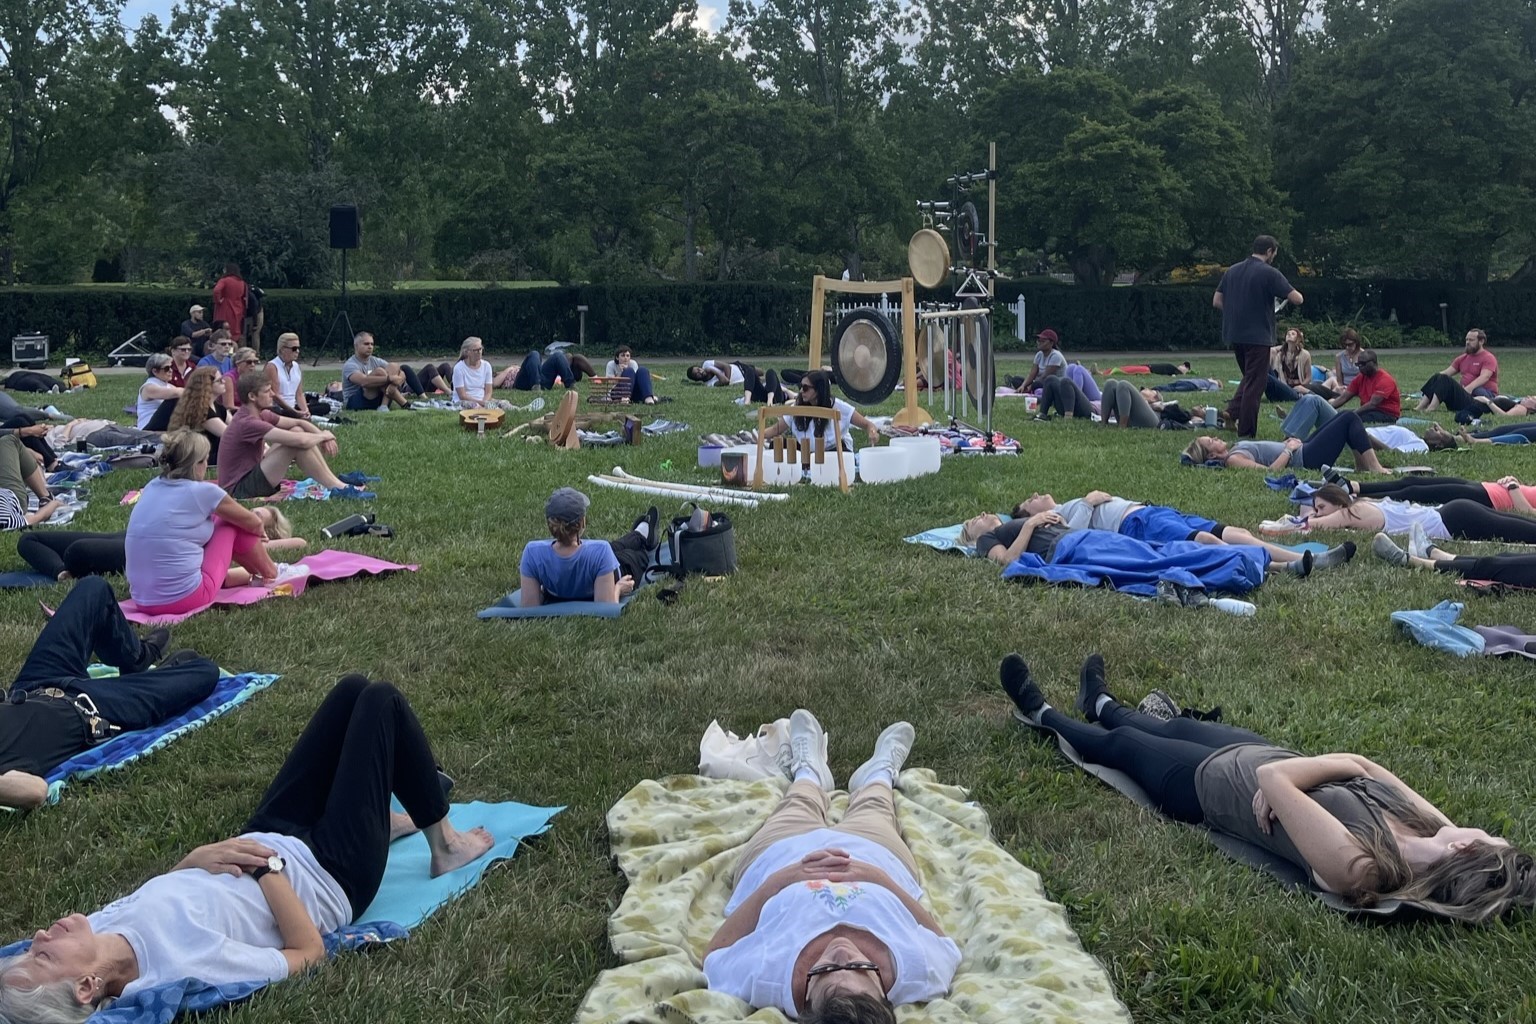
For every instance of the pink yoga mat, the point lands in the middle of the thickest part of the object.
(323, 565)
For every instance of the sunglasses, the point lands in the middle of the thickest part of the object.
(249, 362)
(290, 348)
(852, 965)
(807, 386)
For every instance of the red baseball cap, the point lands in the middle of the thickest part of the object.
(1048, 335)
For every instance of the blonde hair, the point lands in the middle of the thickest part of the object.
(183, 450)
(286, 336)
(1196, 452)
(246, 353)
(278, 527)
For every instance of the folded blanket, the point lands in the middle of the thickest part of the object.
(405, 892)
(125, 748)
(677, 841)
(323, 565)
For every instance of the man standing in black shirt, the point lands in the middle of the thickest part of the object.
(55, 709)
(1247, 299)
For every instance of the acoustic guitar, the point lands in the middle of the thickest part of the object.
(470, 419)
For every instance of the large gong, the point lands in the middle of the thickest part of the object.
(866, 356)
(928, 258)
(976, 345)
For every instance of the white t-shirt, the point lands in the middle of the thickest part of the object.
(1399, 439)
(146, 407)
(736, 377)
(1045, 362)
(218, 928)
(290, 381)
(475, 382)
(825, 426)
(167, 530)
(612, 369)
(1398, 516)
(759, 967)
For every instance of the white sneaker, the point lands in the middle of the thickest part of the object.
(286, 573)
(1418, 541)
(806, 739)
(891, 751)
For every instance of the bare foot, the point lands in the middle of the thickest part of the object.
(459, 849)
(400, 826)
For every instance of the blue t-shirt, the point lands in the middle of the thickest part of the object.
(571, 577)
(225, 365)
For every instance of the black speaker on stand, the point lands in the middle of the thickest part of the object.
(346, 234)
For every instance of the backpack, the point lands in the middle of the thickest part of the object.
(708, 552)
(78, 375)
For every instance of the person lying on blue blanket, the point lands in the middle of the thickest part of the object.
(1044, 546)
(55, 710)
(254, 908)
(1100, 510)
(824, 921)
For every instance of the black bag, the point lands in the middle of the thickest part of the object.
(708, 552)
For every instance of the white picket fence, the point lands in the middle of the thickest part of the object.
(889, 306)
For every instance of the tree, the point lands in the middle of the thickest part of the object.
(1412, 151)
(1274, 29)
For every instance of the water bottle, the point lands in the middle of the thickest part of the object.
(480, 427)
(1210, 415)
(1232, 606)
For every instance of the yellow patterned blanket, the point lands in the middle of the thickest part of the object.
(677, 841)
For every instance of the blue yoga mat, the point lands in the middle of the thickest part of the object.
(511, 607)
(19, 580)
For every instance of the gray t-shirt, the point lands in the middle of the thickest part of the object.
(1262, 452)
(1079, 515)
(1044, 363)
(356, 365)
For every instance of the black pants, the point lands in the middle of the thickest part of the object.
(762, 389)
(431, 377)
(1450, 392)
(1063, 394)
(540, 372)
(1277, 390)
(1471, 521)
(1161, 756)
(51, 552)
(1427, 490)
(1375, 416)
(89, 620)
(1324, 390)
(1253, 361)
(1526, 430)
(362, 745)
(1328, 441)
(634, 554)
(1514, 569)
(161, 420)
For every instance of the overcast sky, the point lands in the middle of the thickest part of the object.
(134, 10)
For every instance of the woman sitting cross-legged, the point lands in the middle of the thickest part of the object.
(184, 532)
(1353, 826)
(1334, 509)
(254, 908)
(824, 922)
(573, 568)
(1323, 448)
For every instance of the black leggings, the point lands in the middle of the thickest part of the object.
(1450, 392)
(431, 377)
(764, 388)
(51, 552)
(362, 745)
(1525, 430)
(1328, 441)
(161, 420)
(1278, 390)
(634, 554)
(1427, 490)
(1063, 394)
(1468, 520)
(1516, 570)
(1160, 756)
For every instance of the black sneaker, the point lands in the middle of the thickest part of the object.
(1333, 476)
(152, 647)
(1303, 568)
(178, 658)
(1020, 686)
(652, 519)
(1091, 686)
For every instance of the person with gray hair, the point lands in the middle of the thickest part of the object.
(156, 388)
(474, 379)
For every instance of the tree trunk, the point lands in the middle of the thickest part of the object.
(1092, 264)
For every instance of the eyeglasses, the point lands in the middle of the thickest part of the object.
(182, 348)
(852, 965)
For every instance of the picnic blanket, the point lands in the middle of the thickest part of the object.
(323, 565)
(1095, 558)
(406, 893)
(125, 748)
(677, 841)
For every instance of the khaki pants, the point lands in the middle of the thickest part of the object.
(871, 815)
(16, 464)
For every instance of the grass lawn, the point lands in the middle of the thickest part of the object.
(833, 612)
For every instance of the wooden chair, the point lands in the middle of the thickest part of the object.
(802, 453)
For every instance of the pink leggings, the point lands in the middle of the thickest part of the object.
(228, 544)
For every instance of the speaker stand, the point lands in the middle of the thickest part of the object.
(341, 316)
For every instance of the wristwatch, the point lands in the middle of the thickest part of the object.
(274, 864)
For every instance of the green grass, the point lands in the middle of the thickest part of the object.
(831, 611)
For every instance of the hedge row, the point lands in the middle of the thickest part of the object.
(750, 319)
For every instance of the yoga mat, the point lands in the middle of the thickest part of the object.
(946, 538)
(163, 1004)
(22, 579)
(511, 607)
(323, 565)
(1282, 870)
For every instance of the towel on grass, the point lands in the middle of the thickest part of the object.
(125, 748)
(406, 892)
(323, 565)
(946, 538)
(677, 841)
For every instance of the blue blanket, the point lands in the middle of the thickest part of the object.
(1097, 558)
(125, 748)
(1437, 627)
(406, 893)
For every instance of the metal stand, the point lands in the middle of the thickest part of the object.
(341, 316)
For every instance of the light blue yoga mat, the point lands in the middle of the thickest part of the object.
(511, 607)
(408, 896)
(946, 538)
